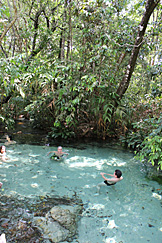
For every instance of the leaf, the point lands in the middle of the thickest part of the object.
(22, 93)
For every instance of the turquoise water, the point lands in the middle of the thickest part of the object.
(128, 212)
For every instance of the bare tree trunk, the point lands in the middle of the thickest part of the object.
(43, 43)
(61, 55)
(6, 29)
(149, 8)
(4, 52)
(69, 39)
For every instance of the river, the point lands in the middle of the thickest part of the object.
(127, 212)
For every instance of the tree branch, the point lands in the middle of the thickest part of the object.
(6, 29)
(149, 8)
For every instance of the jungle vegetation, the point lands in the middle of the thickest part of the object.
(89, 68)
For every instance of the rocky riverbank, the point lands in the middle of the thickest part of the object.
(44, 219)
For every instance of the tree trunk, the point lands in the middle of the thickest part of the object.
(6, 29)
(123, 86)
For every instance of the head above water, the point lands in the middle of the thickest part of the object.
(59, 148)
(2, 149)
(8, 137)
(118, 173)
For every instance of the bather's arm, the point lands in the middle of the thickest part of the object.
(107, 179)
(52, 152)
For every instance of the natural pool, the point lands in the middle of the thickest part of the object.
(130, 211)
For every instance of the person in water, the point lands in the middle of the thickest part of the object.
(1, 184)
(2, 238)
(9, 140)
(58, 154)
(116, 177)
(3, 153)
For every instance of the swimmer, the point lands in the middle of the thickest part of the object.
(9, 141)
(116, 177)
(3, 152)
(2, 238)
(1, 184)
(58, 154)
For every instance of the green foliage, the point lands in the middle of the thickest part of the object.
(9, 122)
(152, 146)
(133, 138)
(146, 140)
(59, 131)
(62, 63)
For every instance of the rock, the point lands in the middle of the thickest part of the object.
(111, 224)
(59, 224)
(21, 225)
(64, 217)
(51, 229)
(110, 240)
(154, 174)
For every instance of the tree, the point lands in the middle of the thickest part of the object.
(6, 28)
(70, 56)
(149, 8)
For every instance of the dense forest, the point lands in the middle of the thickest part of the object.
(89, 68)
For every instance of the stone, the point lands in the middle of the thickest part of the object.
(64, 217)
(59, 224)
(52, 230)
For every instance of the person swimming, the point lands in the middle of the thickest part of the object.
(2, 238)
(3, 153)
(58, 154)
(1, 184)
(116, 177)
(9, 140)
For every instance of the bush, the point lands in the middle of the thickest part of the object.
(152, 146)
(145, 139)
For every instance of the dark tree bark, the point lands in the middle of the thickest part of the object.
(43, 43)
(124, 84)
(36, 25)
(4, 52)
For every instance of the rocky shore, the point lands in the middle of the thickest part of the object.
(44, 219)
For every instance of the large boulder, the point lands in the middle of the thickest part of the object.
(60, 223)
(51, 229)
(45, 219)
(64, 217)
